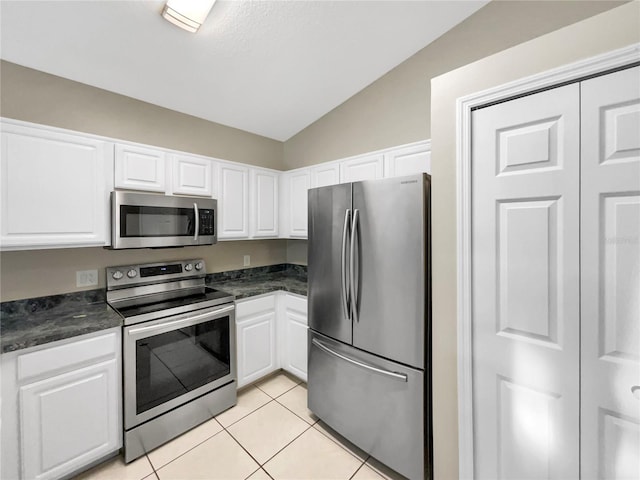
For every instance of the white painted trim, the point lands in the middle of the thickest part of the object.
(464, 105)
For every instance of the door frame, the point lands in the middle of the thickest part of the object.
(572, 72)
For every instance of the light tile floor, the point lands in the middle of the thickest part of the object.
(269, 434)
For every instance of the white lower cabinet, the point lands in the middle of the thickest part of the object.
(61, 406)
(271, 332)
(256, 338)
(293, 346)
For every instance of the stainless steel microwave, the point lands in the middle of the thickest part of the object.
(142, 220)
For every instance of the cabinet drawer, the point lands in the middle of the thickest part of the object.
(65, 357)
(246, 308)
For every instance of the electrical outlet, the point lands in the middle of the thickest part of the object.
(86, 278)
(247, 260)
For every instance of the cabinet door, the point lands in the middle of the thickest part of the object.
(140, 168)
(296, 185)
(264, 203)
(233, 202)
(408, 160)
(191, 175)
(325, 175)
(294, 336)
(69, 420)
(55, 188)
(256, 338)
(610, 275)
(367, 167)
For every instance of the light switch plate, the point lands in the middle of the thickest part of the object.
(86, 278)
(247, 260)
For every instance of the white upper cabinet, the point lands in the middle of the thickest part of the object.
(191, 175)
(55, 188)
(140, 168)
(295, 186)
(325, 174)
(264, 203)
(366, 167)
(233, 202)
(408, 160)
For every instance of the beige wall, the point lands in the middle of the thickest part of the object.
(297, 252)
(611, 30)
(35, 273)
(38, 97)
(395, 109)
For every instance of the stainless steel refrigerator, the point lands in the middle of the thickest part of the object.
(369, 373)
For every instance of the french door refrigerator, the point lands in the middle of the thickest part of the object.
(369, 374)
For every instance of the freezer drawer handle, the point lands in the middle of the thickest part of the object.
(397, 376)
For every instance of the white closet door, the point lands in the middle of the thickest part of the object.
(610, 233)
(525, 234)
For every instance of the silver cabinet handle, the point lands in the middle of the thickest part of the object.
(197, 214)
(344, 279)
(184, 322)
(635, 390)
(353, 280)
(397, 376)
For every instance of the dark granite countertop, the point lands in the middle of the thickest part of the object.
(256, 281)
(38, 321)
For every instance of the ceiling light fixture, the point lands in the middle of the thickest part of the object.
(187, 14)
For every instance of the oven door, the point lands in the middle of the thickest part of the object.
(170, 361)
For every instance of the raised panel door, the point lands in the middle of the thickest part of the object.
(191, 175)
(233, 202)
(55, 188)
(69, 420)
(408, 160)
(299, 183)
(525, 286)
(256, 347)
(610, 264)
(140, 168)
(367, 167)
(264, 204)
(325, 174)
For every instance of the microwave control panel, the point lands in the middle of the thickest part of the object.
(207, 222)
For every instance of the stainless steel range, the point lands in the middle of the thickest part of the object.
(179, 350)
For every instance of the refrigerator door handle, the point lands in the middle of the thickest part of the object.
(397, 376)
(344, 266)
(354, 279)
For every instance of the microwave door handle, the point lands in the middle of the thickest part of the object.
(197, 215)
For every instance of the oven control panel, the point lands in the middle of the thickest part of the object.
(131, 275)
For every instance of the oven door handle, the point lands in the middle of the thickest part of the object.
(184, 322)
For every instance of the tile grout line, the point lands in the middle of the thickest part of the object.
(252, 411)
(185, 452)
(340, 444)
(357, 470)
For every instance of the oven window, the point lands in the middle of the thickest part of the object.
(171, 364)
(136, 221)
